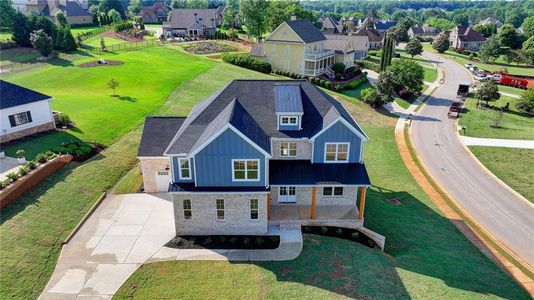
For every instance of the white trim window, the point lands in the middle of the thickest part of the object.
(288, 149)
(188, 212)
(245, 169)
(254, 209)
(20, 118)
(289, 120)
(185, 168)
(219, 203)
(336, 152)
(332, 191)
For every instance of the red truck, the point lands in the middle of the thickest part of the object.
(518, 82)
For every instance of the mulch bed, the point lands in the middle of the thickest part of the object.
(224, 242)
(96, 64)
(337, 232)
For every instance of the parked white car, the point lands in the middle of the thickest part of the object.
(496, 77)
(474, 69)
(482, 77)
(468, 65)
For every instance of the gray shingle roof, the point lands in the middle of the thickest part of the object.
(373, 34)
(14, 95)
(306, 30)
(258, 50)
(157, 134)
(249, 105)
(384, 25)
(185, 18)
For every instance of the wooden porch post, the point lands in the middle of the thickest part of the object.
(268, 206)
(314, 196)
(362, 203)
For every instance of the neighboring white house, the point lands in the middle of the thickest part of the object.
(23, 112)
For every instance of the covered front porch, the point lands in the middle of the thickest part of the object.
(316, 67)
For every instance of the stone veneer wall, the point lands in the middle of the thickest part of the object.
(304, 149)
(149, 167)
(304, 196)
(25, 132)
(204, 214)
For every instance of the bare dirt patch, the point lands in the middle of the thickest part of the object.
(208, 48)
(96, 64)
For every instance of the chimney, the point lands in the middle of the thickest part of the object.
(293, 17)
(213, 23)
(196, 21)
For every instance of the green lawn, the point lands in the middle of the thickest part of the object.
(498, 65)
(95, 41)
(513, 166)
(18, 55)
(146, 78)
(79, 30)
(514, 124)
(430, 74)
(418, 58)
(511, 90)
(34, 226)
(356, 93)
(426, 257)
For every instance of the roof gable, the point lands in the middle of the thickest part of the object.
(303, 29)
(15, 95)
(284, 33)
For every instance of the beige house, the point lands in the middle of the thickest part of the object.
(298, 46)
(76, 11)
(463, 37)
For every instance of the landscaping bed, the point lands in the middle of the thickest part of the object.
(208, 48)
(97, 64)
(343, 233)
(224, 242)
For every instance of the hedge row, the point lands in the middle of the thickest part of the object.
(123, 26)
(365, 64)
(340, 87)
(247, 61)
(290, 74)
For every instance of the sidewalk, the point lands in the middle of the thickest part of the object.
(474, 141)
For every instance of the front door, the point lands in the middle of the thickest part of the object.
(162, 181)
(287, 194)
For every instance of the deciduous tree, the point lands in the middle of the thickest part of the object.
(113, 84)
(7, 13)
(385, 87)
(488, 92)
(526, 102)
(528, 26)
(255, 17)
(61, 19)
(21, 36)
(441, 43)
(414, 47)
(409, 74)
(490, 50)
(42, 42)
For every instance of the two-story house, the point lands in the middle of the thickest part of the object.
(464, 37)
(258, 152)
(192, 22)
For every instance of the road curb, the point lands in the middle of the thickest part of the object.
(526, 281)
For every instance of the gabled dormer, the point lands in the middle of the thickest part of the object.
(288, 103)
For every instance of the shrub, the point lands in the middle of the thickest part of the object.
(23, 171)
(12, 176)
(123, 26)
(339, 231)
(63, 120)
(247, 61)
(4, 184)
(50, 155)
(338, 76)
(41, 158)
(324, 230)
(259, 241)
(31, 165)
(365, 64)
(338, 68)
(328, 85)
(20, 153)
(322, 82)
(405, 94)
(340, 87)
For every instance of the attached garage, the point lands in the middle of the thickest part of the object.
(155, 167)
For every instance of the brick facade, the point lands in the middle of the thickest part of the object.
(304, 196)
(25, 132)
(204, 214)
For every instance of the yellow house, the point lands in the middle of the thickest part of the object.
(299, 47)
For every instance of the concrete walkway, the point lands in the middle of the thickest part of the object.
(126, 231)
(8, 165)
(474, 141)
(510, 95)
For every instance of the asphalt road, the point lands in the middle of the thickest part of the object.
(505, 215)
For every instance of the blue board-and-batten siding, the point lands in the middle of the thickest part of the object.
(337, 133)
(176, 170)
(213, 164)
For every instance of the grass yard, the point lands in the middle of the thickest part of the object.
(95, 41)
(510, 90)
(34, 226)
(18, 55)
(426, 256)
(356, 93)
(513, 166)
(430, 74)
(498, 65)
(146, 78)
(79, 30)
(514, 124)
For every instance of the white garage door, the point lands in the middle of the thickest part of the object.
(162, 181)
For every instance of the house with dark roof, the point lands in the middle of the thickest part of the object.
(422, 31)
(333, 26)
(23, 112)
(258, 153)
(384, 25)
(76, 11)
(464, 37)
(156, 13)
(193, 22)
(376, 38)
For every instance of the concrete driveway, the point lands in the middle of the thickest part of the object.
(505, 214)
(124, 232)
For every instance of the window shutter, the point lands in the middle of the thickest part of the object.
(12, 121)
(29, 116)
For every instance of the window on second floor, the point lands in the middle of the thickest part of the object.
(336, 152)
(288, 149)
(289, 120)
(245, 169)
(185, 170)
